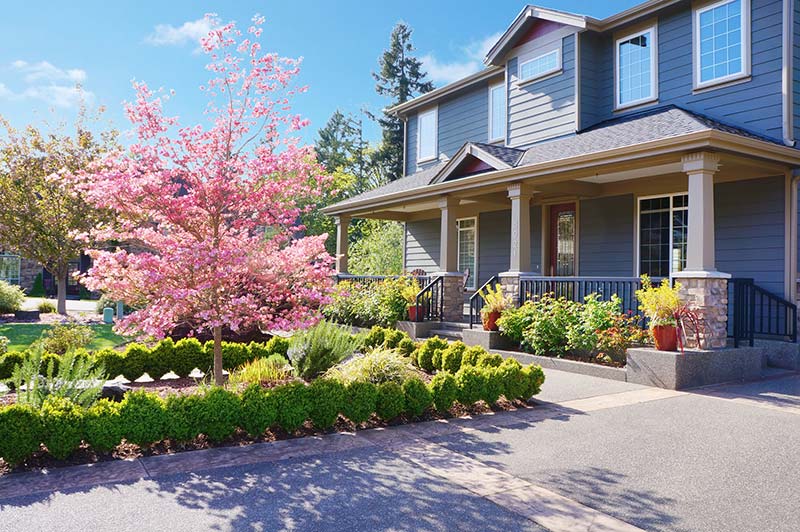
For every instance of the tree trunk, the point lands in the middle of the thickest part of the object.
(61, 293)
(218, 377)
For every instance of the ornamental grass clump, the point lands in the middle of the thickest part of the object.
(274, 368)
(659, 303)
(315, 350)
(377, 366)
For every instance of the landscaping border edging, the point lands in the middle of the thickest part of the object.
(563, 364)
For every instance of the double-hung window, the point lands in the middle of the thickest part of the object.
(467, 248)
(497, 112)
(426, 135)
(636, 57)
(9, 268)
(663, 230)
(721, 42)
(539, 66)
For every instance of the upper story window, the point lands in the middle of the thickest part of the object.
(497, 112)
(636, 68)
(721, 42)
(427, 135)
(540, 66)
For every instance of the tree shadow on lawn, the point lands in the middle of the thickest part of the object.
(365, 489)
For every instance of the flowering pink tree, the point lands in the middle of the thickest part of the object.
(210, 215)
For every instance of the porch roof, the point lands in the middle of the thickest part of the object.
(668, 124)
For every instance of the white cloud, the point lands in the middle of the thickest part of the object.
(443, 72)
(190, 31)
(48, 83)
(44, 71)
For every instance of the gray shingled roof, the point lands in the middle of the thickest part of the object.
(646, 126)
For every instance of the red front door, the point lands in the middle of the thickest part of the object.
(562, 239)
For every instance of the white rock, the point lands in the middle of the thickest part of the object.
(170, 376)
(145, 378)
(119, 379)
(197, 374)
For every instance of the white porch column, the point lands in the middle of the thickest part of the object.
(342, 225)
(703, 288)
(520, 251)
(448, 250)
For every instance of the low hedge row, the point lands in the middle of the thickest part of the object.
(144, 418)
(180, 357)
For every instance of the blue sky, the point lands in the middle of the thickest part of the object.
(49, 46)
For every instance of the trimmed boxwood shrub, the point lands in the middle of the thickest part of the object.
(514, 382)
(444, 390)
(471, 382)
(492, 386)
(279, 345)
(417, 397)
(426, 352)
(20, 432)
(360, 401)
(137, 362)
(471, 355)
(328, 396)
(161, 358)
(189, 354)
(390, 401)
(62, 426)
(535, 377)
(451, 357)
(218, 413)
(406, 346)
(259, 410)
(293, 404)
(144, 417)
(489, 360)
(112, 361)
(7, 364)
(103, 425)
(181, 414)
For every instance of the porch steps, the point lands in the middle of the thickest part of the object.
(449, 330)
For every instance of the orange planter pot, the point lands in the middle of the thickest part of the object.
(413, 312)
(490, 321)
(666, 337)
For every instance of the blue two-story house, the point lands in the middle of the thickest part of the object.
(660, 141)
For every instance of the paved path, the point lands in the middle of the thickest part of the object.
(596, 455)
(74, 306)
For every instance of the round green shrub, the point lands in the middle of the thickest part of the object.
(493, 385)
(218, 413)
(393, 337)
(406, 346)
(189, 354)
(259, 410)
(427, 350)
(444, 390)
(137, 361)
(234, 355)
(391, 401)
(471, 382)
(103, 425)
(278, 345)
(327, 400)
(360, 401)
(489, 360)
(436, 359)
(451, 357)
(113, 362)
(471, 355)
(417, 397)
(182, 416)
(144, 417)
(375, 337)
(258, 350)
(20, 432)
(161, 359)
(293, 403)
(7, 364)
(11, 298)
(48, 360)
(535, 379)
(62, 426)
(514, 382)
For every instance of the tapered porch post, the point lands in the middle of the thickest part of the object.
(453, 290)
(342, 225)
(703, 287)
(520, 251)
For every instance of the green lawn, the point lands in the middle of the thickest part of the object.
(21, 335)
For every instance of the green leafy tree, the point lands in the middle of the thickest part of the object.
(43, 215)
(401, 78)
(378, 250)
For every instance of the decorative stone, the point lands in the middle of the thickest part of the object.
(170, 376)
(120, 379)
(707, 294)
(197, 374)
(114, 391)
(453, 295)
(144, 378)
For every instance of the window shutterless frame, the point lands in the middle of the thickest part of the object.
(434, 112)
(493, 91)
(474, 266)
(744, 43)
(652, 33)
(637, 227)
(546, 57)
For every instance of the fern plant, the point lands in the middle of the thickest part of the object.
(315, 350)
(75, 379)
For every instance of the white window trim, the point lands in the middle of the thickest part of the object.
(491, 116)
(435, 112)
(474, 272)
(744, 27)
(13, 280)
(559, 66)
(637, 222)
(653, 97)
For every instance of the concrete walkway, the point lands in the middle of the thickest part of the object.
(594, 455)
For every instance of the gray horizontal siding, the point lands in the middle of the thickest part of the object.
(494, 244)
(595, 56)
(754, 105)
(605, 238)
(749, 219)
(411, 145)
(796, 69)
(543, 109)
(422, 245)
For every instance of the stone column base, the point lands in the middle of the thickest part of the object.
(509, 281)
(707, 294)
(453, 295)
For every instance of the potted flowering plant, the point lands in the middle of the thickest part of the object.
(409, 293)
(661, 304)
(495, 302)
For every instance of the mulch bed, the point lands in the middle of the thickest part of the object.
(128, 451)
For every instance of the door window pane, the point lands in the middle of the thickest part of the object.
(565, 247)
(467, 235)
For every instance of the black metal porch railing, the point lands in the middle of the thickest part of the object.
(430, 301)
(476, 302)
(577, 288)
(754, 312)
(370, 279)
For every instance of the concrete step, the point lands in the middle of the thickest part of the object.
(449, 334)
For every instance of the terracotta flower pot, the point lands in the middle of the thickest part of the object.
(490, 320)
(413, 312)
(665, 337)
